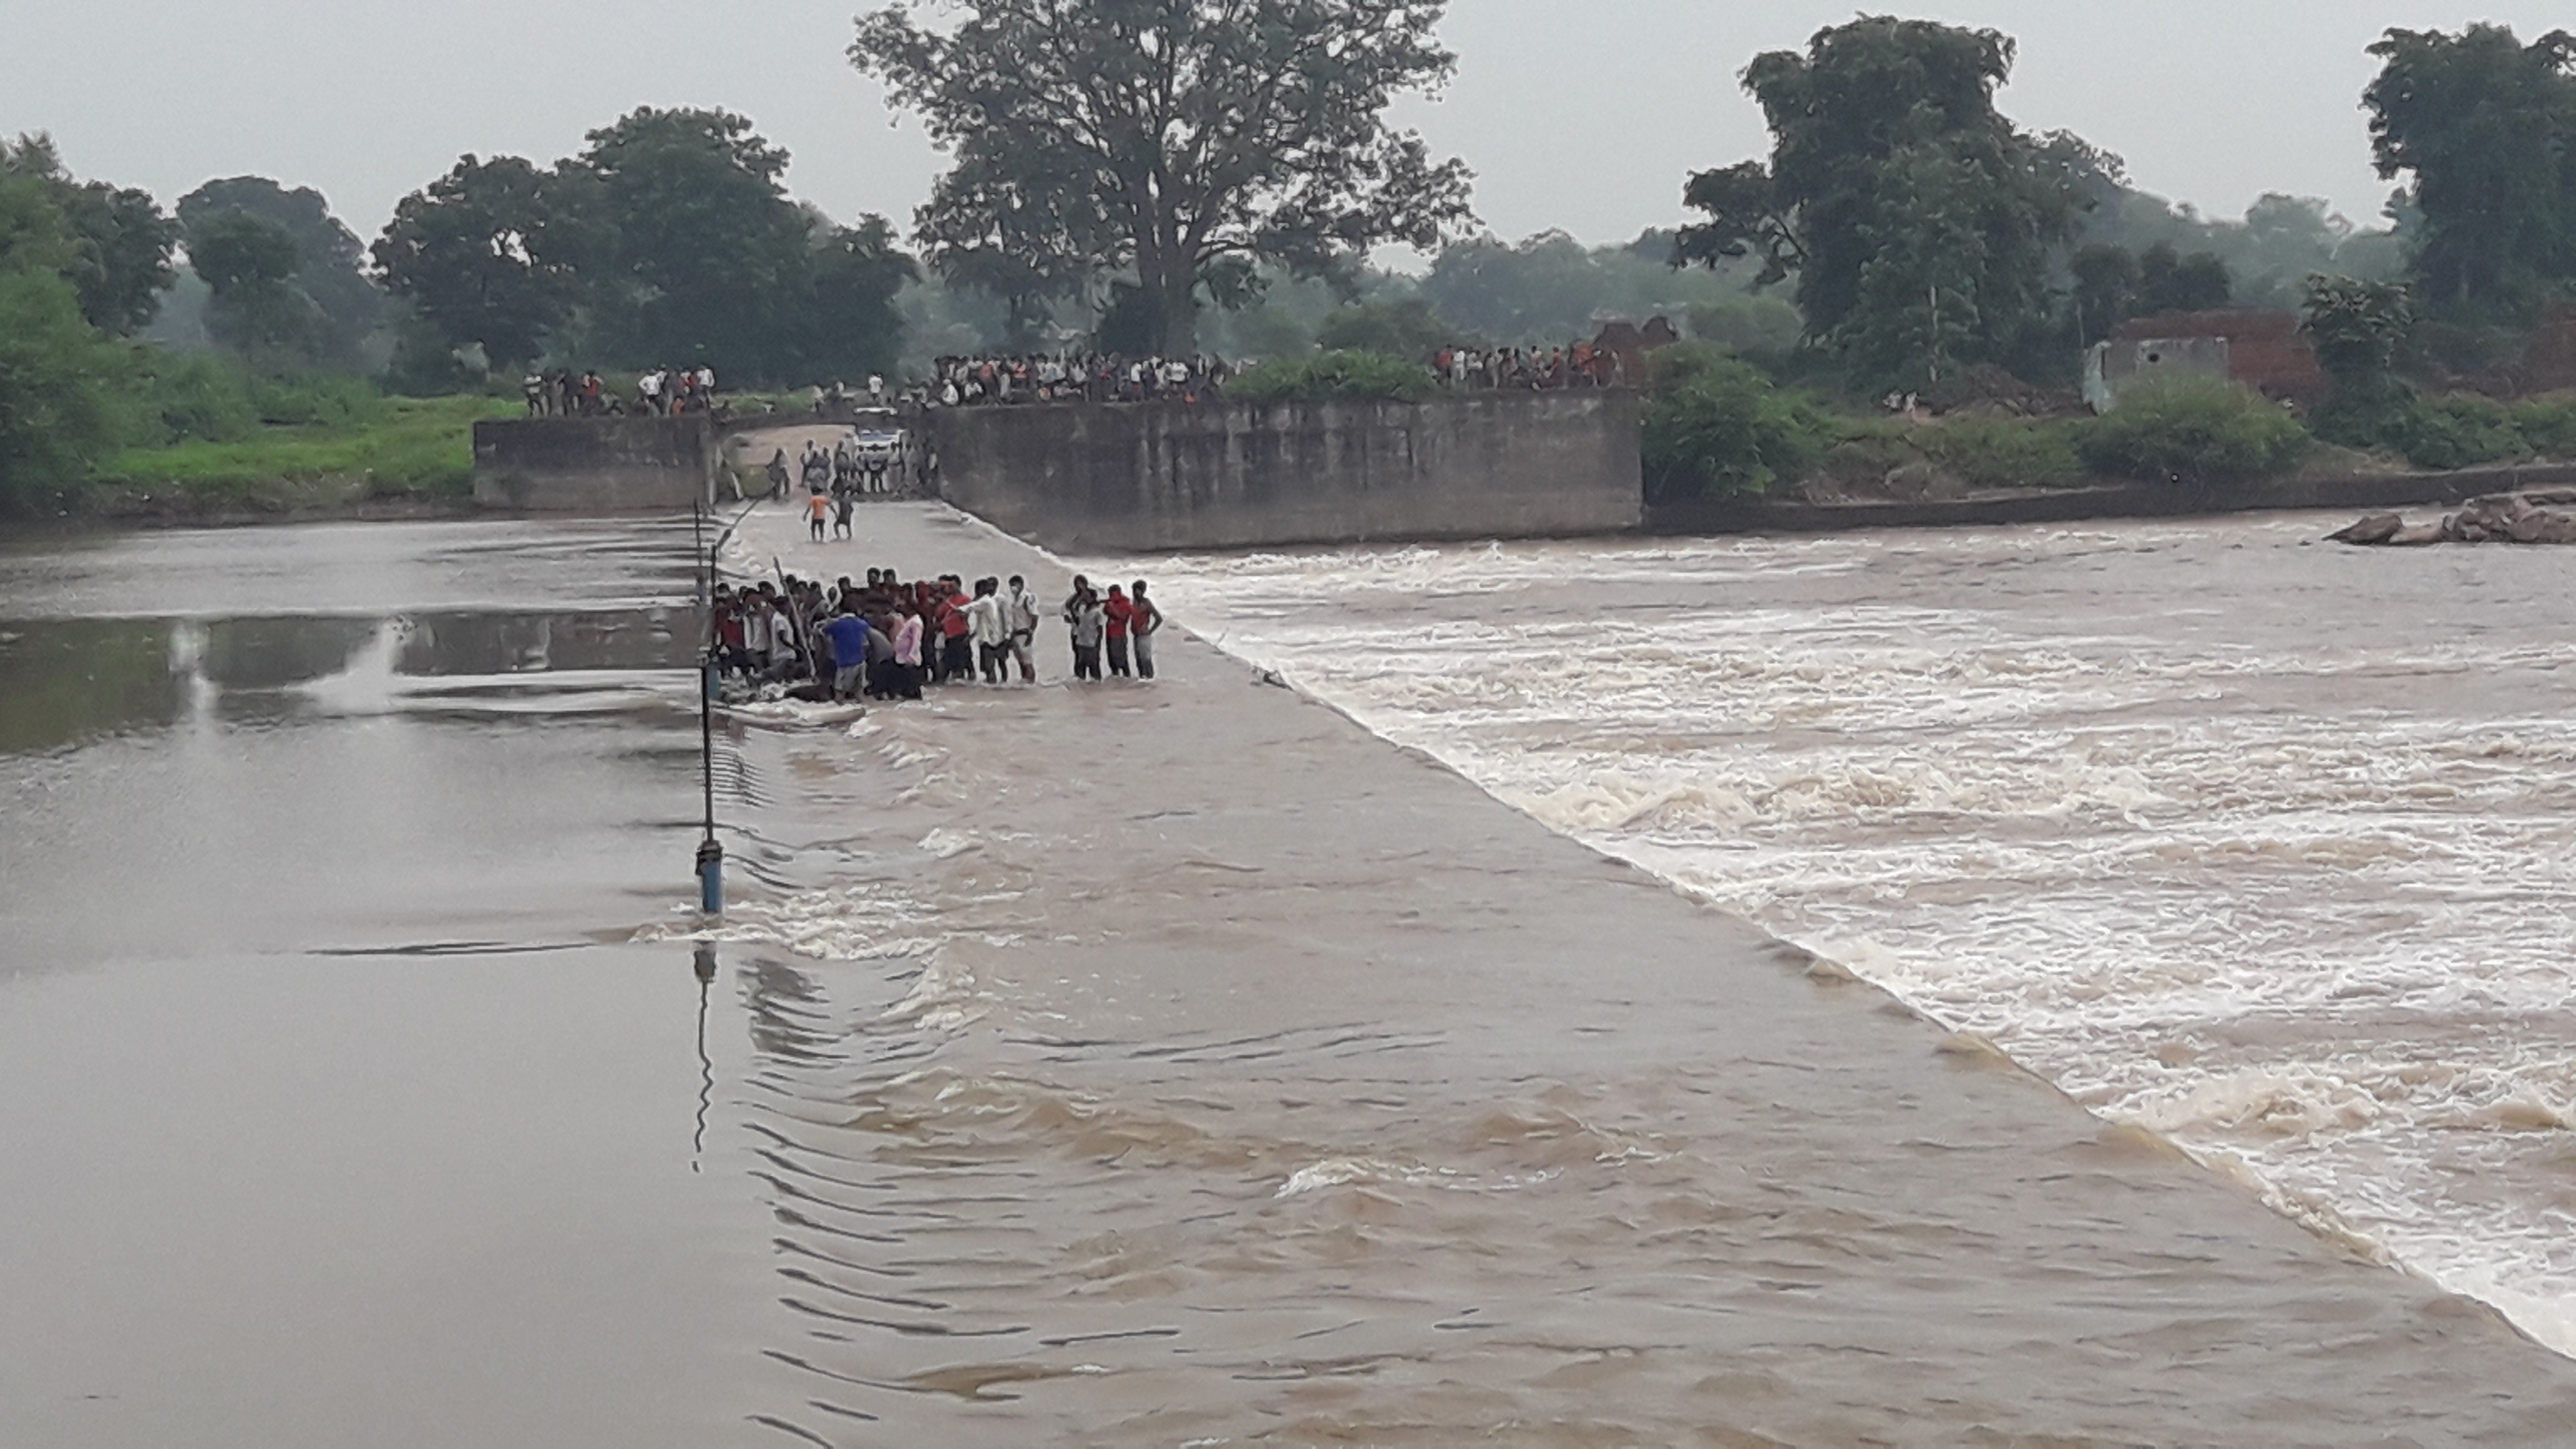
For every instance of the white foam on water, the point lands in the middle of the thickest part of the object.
(371, 682)
(2293, 897)
(865, 922)
(795, 713)
(1347, 1172)
(946, 996)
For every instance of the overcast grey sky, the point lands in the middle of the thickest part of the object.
(1580, 114)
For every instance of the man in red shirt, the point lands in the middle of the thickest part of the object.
(956, 645)
(1120, 614)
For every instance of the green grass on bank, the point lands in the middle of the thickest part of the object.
(391, 448)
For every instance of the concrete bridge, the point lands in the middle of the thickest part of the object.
(1122, 476)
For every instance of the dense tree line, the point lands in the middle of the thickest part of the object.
(1923, 231)
(669, 239)
(1166, 174)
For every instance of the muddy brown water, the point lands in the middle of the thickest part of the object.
(1157, 1065)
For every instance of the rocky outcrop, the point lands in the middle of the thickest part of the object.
(2537, 515)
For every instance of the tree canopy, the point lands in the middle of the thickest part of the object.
(122, 238)
(489, 254)
(1920, 224)
(669, 239)
(2486, 127)
(321, 311)
(58, 376)
(1177, 141)
(700, 243)
(2113, 285)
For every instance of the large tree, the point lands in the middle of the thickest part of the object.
(2486, 126)
(490, 254)
(1177, 141)
(258, 311)
(346, 306)
(59, 378)
(2112, 285)
(669, 240)
(1919, 222)
(851, 327)
(123, 237)
(701, 238)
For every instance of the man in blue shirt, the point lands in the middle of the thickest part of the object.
(849, 638)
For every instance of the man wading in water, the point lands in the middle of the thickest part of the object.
(1082, 611)
(1021, 612)
(1117, 613)
(1144, 620)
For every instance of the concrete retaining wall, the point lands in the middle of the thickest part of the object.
(1237, 475)
(594, 465)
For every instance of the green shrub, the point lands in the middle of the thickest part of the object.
(1334, 376)
(59, 385)
(195, 396)
(2548, 425)
(2005, 452)
(198, 397)
(2196, 431)
(1715, 427)
(322, 400)
(1867, 452)
(2461, 431)
(407, 448)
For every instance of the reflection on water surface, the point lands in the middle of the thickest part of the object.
(66, 680)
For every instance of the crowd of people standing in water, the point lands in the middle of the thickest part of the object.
(888, 638)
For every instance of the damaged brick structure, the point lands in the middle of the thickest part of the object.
(2261, 349)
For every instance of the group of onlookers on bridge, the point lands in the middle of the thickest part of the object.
(562, 393)
(887, 638)
(1074, 377)
(1484, 369)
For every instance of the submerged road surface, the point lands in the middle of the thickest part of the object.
(1136, 1064)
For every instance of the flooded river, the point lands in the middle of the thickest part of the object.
(325, 1115)
(2263, 845)
(1182, 1065)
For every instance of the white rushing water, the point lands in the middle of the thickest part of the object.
(2262, 845)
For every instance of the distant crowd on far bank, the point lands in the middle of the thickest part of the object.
(888, 638)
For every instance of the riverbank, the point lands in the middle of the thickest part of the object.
(1231, 1071)
(390, 459)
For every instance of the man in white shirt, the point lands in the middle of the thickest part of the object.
(990, 629)
(1020, 611)
(755, 630)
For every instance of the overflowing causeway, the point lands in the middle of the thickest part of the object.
(1183, 1064)
(1190, 1066)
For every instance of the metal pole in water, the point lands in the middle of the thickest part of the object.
(710, 853)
